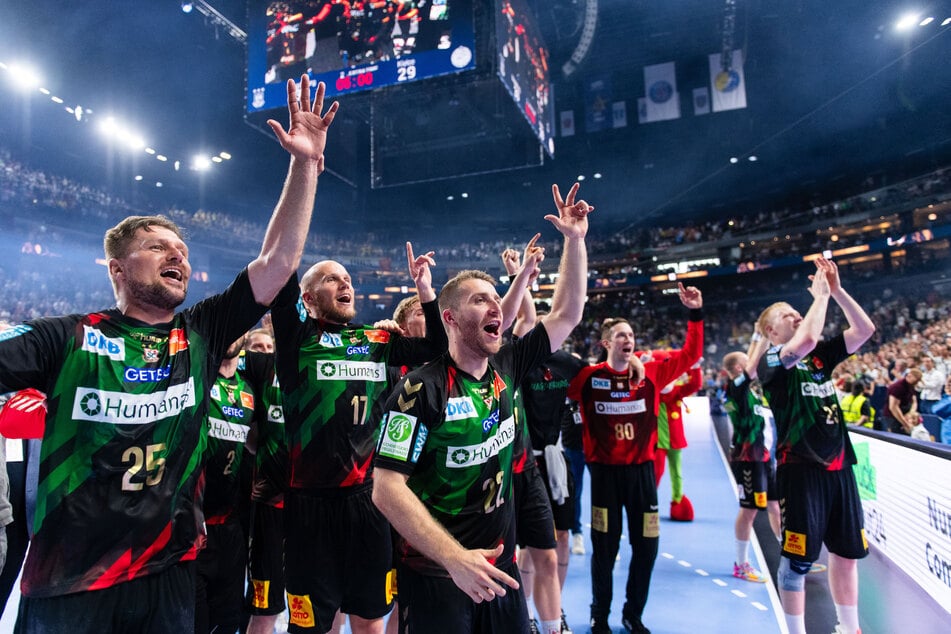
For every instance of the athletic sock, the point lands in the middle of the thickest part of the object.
(551, 627)
(742, 551)
(848, 616)
(796, 623)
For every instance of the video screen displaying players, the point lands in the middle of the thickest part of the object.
(523, 67)
(354, 45)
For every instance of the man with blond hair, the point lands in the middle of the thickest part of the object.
(817, 489)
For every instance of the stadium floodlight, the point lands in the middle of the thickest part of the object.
(200, 162)
(906, 22)
(187, 7)
(926, 21)
(224, 155)
(24, 76)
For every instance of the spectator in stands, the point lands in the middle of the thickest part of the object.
(856, 409)
(932, 382)
(902, 399)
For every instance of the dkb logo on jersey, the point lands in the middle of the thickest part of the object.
(97, 343)
(460, 408)
(397, 438)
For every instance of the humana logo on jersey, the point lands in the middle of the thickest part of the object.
(350, 371)
(471, 455)
(223, 430)
(628, 407)
(819, 390)
(120, 408)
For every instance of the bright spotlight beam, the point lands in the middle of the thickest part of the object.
(24, 77)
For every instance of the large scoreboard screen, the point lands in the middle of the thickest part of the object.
(523, 68)
(354, 45)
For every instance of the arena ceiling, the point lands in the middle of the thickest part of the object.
(837, 99)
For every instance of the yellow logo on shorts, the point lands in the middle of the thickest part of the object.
(599, 519)
(260, 593)
(864, 540)
(795, 543)
(302, 612)
(652, 524)
(391, 589)
(759, 498)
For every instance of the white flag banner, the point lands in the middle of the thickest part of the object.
(701, 101)
(642, 110)
(728, 87)
(660, 92)
(567, 123)
(619, 110)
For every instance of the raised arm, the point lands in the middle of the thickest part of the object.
(758, 346)
(286, 233)
(470, 569)
(419, 270)
(518, 305)
(807, 334)
(567, 303)
(860, 327)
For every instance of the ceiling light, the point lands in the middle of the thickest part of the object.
(187, 7)
(906, 22)
(926, 21)
(465, 194)
(753, 158)
(224, 155)
(200, 162)
(580, 177)
(734, 160)
(597, 174)
(24, 77)
(138, 177)
(946, 22)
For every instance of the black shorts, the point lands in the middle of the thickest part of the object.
(338, 555)
(435, 604)
(755, 483)
(564, 513)
(534, 524)
(155, 604)
(265, 592)
(219, 588)
(820, 506)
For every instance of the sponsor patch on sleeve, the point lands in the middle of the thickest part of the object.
(397, 441)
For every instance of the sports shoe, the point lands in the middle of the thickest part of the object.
(748, 573)
(634, 626)
(564, 624)
(599, 625)
(817, 568)
(577, 544)
(533, 627)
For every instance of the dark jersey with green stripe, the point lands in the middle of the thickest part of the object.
(125, 433)
(752, 420)
(332, 377)
(809, 423)
(270, 458)
(454, 436)
(230, 413)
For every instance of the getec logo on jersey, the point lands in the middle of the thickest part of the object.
(397, 436)
(120, 408)
(223, 430)
(470, 455)
(350, 371)
(819, 390)
(97, 343)
(629, 407)
(460, 408)
(600, 384)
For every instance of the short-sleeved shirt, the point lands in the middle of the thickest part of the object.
(904, 392)
(125, 433)
(544, 391)
(231, 410)
(620, 413)
(453, 435)
(752, 420)
(332, 377)
(809, 423)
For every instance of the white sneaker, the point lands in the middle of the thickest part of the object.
(577, 544)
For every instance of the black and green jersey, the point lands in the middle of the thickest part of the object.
(752, 420)
(454, 436)
(809, 423)
(544, 391)
(270, 458)
(125, 433)
(332, 377)
(230, 413)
